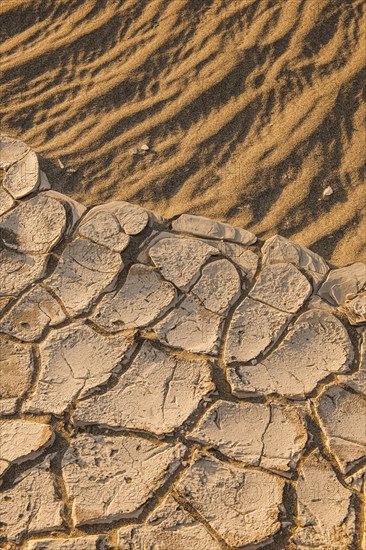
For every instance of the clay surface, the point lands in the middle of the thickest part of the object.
(173, 384)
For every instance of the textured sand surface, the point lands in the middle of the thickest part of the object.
(173, 384)
(250, 108)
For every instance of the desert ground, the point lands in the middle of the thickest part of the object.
(250, 109)
(173, 384)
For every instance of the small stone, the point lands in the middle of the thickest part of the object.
(282, 286)
(277, 249)
(31, 505)
(145, 147)
(74, 360)
(23, 177)
(22, 440)
(32, 314)
(11, 150)
(6, 201)
(316, 346)
(191, 327)
(225, 495)
(343, 284)
(110, 478)
(180, 260)
(204, 227)
(326, 515)
(157, 393)
(16, 370)
(92, 542)
(342, 417)
(272, 436)
(134, 151)
(102, 227)
(218, 287)
(328, 191)
(253, 329)
(169, 526)
(84, 271)
(71, 171)
(143, 298)
(61, 164)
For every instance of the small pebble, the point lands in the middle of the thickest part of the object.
(145, 147)
(61, 164)
(71, 170)
(327, 192)
(134, 151)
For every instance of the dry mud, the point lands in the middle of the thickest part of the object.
(173, 384)
(251, 108)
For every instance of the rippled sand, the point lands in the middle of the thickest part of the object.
(250, 108)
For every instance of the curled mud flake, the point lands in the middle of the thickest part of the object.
(282, 286)
(102, 227)
(6, 201)
(342, 416)
(254, 327)
(277, 249)
(22, 440)
(106, 486)
(157, 393)
(180, 260)
(169, 526)
(357, 380)
(191, 327)
(133, 218)
(75, 209)
(272, 436)
(74, 360)
(31, 506)
(355, 309)
(343, 284)
(36, 310)
(35, 226)
(18, 271)
(16, 371)
(23, 177)
(204, 227)
(11, 150)
(245, 259)
(226, 495)
(218, 287)
(85, 270)
(326, 516)
(143, 298)
(316, 346)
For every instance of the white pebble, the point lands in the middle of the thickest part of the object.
(145, 147)
(134, 151)
(327, 192)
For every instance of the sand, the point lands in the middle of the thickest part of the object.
(250, 109)
(173, 384)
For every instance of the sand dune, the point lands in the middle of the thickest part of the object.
(251, 108)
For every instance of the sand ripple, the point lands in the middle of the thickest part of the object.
(250, 108)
